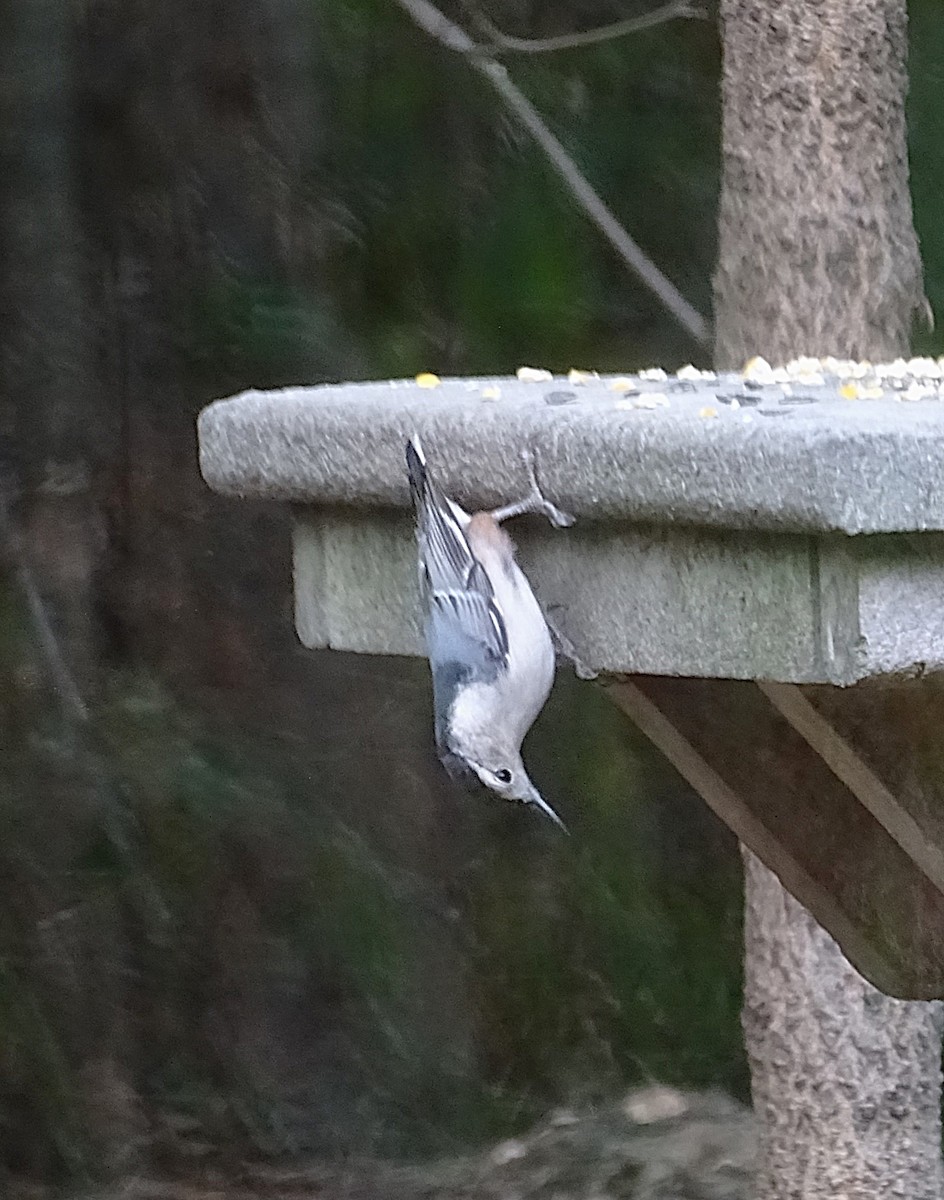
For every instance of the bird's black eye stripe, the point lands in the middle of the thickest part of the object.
(503, 776)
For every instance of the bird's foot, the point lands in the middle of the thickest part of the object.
(534, 502)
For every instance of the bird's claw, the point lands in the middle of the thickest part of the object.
(557, 517)
(534, 502)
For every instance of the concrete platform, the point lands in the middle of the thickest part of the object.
(727, 527)
(737, 536)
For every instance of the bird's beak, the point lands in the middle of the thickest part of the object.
(538, 801)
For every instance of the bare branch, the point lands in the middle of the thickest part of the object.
(63, 682)
(66, 688)
(450, 35)
(446, 32)
(504, 43)
(646, 270)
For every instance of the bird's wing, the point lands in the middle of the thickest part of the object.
(466, 627)
(464, 624)
(467, 643)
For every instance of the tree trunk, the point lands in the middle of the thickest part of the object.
(845, 1080)
(817, 250)
(818, 255)
(48, 395)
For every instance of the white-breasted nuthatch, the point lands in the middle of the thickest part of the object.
(490, 649)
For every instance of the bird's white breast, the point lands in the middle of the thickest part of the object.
(514, 700)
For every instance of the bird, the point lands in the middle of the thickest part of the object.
(490, 649)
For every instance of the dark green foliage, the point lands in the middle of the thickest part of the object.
(621, 960)
(207, 937)
(244, 330)
(460, 250)
(927, 162)
(188, 922)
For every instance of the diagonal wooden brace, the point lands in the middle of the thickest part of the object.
(785, 781)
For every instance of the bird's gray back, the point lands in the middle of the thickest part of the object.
(466, 636)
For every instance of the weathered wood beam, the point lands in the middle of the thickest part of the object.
(787, 803)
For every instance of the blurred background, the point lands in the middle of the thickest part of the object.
(243, 914)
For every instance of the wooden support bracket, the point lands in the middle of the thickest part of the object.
(800, 795)
(859, 778)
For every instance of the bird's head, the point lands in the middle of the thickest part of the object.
(500, 769)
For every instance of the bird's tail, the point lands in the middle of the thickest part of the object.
(416, 470)
(428, 496)
(444, 553)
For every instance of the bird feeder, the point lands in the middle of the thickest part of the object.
(756, 576)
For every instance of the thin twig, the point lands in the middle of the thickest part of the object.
(66, 688)
(450, 35)
(63, 681)
(505, 43)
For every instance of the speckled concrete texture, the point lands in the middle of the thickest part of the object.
(726, 529)
(631, 600)
(720, 453)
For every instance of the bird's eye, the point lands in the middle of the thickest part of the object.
(503, 776)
